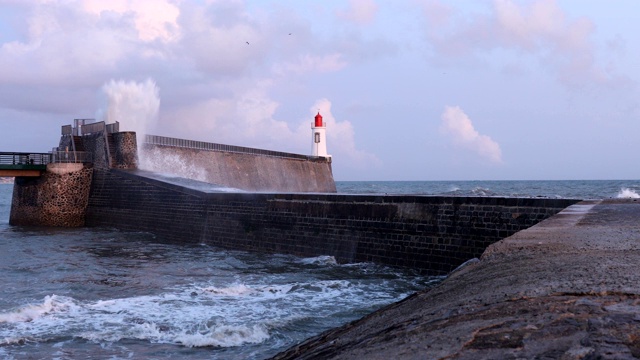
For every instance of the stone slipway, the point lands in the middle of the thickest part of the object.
(567, 288)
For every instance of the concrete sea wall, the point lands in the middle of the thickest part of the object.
(57, 198)
(241, 170)
(430, 233)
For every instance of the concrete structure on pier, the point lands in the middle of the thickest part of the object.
(53, 189)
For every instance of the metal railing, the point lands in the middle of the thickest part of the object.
(67, 130)
(19, 158)
(71, 157)
(92, 128)
(201, 145)
(113, 128)
(89, 126)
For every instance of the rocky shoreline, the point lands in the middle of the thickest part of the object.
(567, 288)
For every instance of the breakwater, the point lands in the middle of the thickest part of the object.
(566, 288)
(428, 233)
(238, 167)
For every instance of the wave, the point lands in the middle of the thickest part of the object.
(225, 336)
(319, 260)
(51, 304)
(480, 191)
(234, 290)
(626, 193)
(203, 315)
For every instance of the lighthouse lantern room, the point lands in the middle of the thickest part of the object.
(319, 137)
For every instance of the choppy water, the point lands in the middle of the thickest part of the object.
(571, 189)
(102, 293)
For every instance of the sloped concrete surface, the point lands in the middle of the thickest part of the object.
(567, 288)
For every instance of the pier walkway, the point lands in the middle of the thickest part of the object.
(566, 288)
(23, 164)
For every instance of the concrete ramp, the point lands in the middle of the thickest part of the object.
(175, 180)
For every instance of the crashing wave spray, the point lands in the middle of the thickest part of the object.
(626, 193)
(135, 105)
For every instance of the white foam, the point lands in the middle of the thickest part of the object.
(161, 161)
(51, 304)
(234, 290)
(626, 193)
(320, 260)
(199, 315)
(225, 336)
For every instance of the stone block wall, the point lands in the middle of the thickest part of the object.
(430, 233)
(57, 198)
(125, 150)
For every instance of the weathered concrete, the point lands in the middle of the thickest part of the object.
(241, 171)
(567, 288)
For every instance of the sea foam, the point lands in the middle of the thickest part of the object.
(51, 304)
(225, 336)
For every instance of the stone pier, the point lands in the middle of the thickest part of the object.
(566, 288)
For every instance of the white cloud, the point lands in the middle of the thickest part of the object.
(308, 63)
(215, 86)
(457, 125)
(153, 20)
(360, 11)
(341, 142)
(539, 28)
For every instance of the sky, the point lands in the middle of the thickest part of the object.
(409, 89)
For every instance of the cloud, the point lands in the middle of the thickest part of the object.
(153, 20)
(361, 12)
(341, 142)
(308, 63)
(60, 55)
(250, 121)
(540, 29)
(457, 125)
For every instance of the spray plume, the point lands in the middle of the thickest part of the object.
(135, 105)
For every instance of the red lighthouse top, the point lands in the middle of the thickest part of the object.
(318, 120)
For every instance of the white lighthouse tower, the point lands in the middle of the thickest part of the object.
(319, 137)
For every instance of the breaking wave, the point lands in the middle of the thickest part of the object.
(626, 193)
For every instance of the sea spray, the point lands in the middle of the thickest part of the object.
(626, 193)
(134, 105)
(173, 163)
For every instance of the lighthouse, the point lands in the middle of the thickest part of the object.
(319, 137)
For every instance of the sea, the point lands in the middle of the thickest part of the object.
(102, 293)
